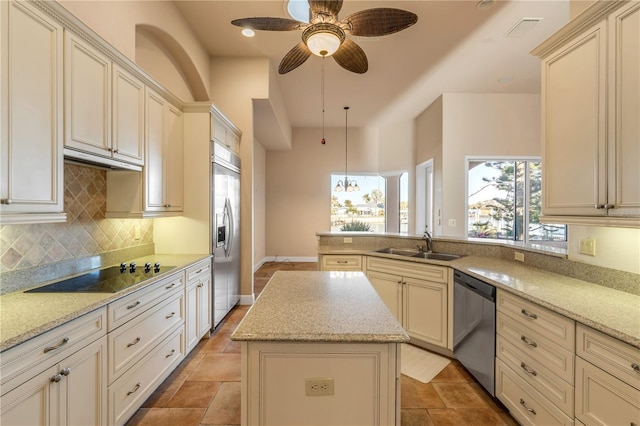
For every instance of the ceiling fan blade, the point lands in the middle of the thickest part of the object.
(296, 57)
(328, 7)
(378, 22)
(269, 24)
(351, 57)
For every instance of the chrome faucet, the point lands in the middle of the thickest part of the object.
(428, 241)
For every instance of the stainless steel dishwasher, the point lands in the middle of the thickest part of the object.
(474, 327)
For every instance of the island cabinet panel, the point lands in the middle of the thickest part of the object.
(364, 377)
(342, 262)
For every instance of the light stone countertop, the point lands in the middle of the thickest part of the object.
(314, 306)
(611, 311)
(26, 315)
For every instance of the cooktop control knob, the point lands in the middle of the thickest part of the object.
(132, 267)
(156, 267)
(123, 267)
(147, 267)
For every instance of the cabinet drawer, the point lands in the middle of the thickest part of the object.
(332, 262)
(601, 399)
(532, 371)
(49, 348)
(612, 355)
(129, 392)
(128, 344)
(408, 269)
(127, 308)
(555, 327)
(558, 360)
(198, 269)
(525, 403)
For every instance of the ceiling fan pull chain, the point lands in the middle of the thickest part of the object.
(323, 141)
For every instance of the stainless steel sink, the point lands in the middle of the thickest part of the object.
(399, 251)
(419, 254)
(437, 256)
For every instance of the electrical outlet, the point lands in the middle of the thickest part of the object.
(588, 246)
(347, 240)
(452, 223)
(318, 386)
(519, 256)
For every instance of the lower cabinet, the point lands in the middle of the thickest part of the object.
(197, 303)
(70, 392)
(417, 294)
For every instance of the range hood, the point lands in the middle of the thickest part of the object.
(73, 156)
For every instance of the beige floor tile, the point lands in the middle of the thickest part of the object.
(166, 390)
(217, 368)
(194, 395)
(459, 395)
(225, 407)
(167, 417)
(415, 394)
(415, 417)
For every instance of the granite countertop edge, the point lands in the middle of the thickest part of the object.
(78, 304)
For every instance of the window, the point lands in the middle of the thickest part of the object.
(361, 210)
(404, 203)
(504, 201)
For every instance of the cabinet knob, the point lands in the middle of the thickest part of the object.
(56, 378)
(608, 206)
(6, 201)
(599, 206)
(635, 367)
(65, 371)
(115, 151)
(167, 205)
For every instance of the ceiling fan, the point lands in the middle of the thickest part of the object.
(326, 35)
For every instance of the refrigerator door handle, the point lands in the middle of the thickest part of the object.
(228, 218)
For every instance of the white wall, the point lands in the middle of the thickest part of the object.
(482, 125)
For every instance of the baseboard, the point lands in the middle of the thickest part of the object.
(284, 259)
(247, 299)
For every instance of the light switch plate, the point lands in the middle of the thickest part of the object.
(588, 246)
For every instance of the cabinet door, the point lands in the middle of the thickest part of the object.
(87, 97)
(174, 159)
(389, 288)
(425, 310)
(35, 402)
(84, 394)
(574, 147)
(128, 117)
(154, 167)
(191, 317)
(204, 306)
(624, 121)
(31, 161)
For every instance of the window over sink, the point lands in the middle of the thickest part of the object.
(504, 201)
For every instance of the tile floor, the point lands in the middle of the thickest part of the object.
(205, 388)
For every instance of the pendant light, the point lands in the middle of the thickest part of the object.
(347, 185)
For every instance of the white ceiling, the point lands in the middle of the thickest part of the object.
(454, 47)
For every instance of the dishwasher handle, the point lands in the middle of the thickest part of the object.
(475, 285)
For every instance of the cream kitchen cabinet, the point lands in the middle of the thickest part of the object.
(591, 130)
(58, 378)
(607, 379)
(197, 303)
(224, 131)
(159, 190)
(535, 358)
(340, 262)
(31, 136)
(104, 104)
(416, 294)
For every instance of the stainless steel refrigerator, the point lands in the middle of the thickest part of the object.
(225, 197)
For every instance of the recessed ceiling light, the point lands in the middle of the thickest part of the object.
(485, 4)
(248, 32)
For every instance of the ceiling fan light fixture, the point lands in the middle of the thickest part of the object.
(248, 32)
(323, 39)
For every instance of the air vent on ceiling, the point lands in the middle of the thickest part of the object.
(522, 27)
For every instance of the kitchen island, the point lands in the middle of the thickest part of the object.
(320, 348)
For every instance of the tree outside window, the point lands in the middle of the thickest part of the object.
(362, 210)
(504, 201)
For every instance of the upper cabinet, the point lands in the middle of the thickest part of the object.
(31, 159)
(591, 118)
(104, 104)
(224, 131)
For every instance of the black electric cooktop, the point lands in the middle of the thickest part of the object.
(108, 280)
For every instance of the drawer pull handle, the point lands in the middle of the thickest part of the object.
(172, 285)
(342, 261)
(635, 367)
(172, 314)
(529, 314)
(173, 351)
(200, 285)
(532, 344)
(133, 305)
(58, 346)
(531, 410)
(528, 370)
(137, 386)
(199, 270)
(135, 342)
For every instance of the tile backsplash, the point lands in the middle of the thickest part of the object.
(87, 232)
